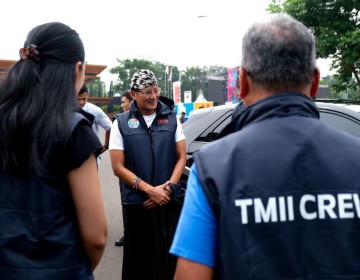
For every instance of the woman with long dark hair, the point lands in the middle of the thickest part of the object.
(52, 219)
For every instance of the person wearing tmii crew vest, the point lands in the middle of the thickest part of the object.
(282, 198)
(148, 154)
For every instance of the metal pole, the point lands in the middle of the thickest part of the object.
(165, 83)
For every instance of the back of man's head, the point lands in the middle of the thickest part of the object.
(279, 53)
(83, 89)
(127, 95)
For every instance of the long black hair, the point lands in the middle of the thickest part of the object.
(38, 97)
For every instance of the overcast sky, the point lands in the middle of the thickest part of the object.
(167, 31)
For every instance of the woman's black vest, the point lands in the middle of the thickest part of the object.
(285, 190)
(150, 153)
(39, 234)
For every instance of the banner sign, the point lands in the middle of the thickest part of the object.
(231, 84)
(187, 96)
(176, 92)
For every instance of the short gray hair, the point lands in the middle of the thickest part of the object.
(279, 54)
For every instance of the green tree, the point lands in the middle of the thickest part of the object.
(335, 25)
(126, 69)
(97, 88)
(336, 93)
(193, 78)
(196, 78)
(100, 88)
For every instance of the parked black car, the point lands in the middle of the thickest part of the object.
(204, 125)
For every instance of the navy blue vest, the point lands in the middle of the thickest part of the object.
(149, 152)
(286, 191)
(39, 235)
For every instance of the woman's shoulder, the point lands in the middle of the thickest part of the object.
(81, 116)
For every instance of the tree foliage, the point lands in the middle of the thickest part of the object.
(97, 88)
(126, 68)
(335, 25)
(193, 78)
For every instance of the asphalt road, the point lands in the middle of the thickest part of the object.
(111, 263)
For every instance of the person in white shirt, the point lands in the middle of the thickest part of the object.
(100, 118)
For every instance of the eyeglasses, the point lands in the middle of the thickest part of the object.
(149, 92)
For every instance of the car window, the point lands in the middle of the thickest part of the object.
(341, 122)
(215, 128)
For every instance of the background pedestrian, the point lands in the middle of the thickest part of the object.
(100, 118)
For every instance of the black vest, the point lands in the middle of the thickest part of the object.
(39, 235)
(286, 191)
(149, 152)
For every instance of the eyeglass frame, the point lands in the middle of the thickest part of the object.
(149, 92)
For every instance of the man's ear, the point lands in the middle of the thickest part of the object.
(315, 82)
(133, 95)
(244, 84)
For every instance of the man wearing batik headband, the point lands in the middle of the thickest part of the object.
(148, 154)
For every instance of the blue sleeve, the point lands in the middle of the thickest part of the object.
(196, 235)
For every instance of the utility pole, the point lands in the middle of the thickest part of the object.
(168, 79)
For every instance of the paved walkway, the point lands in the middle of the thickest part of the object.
(111, 263)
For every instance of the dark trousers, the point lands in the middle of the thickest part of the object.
(148, 235)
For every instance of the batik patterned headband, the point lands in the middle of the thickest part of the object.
(143, 79)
